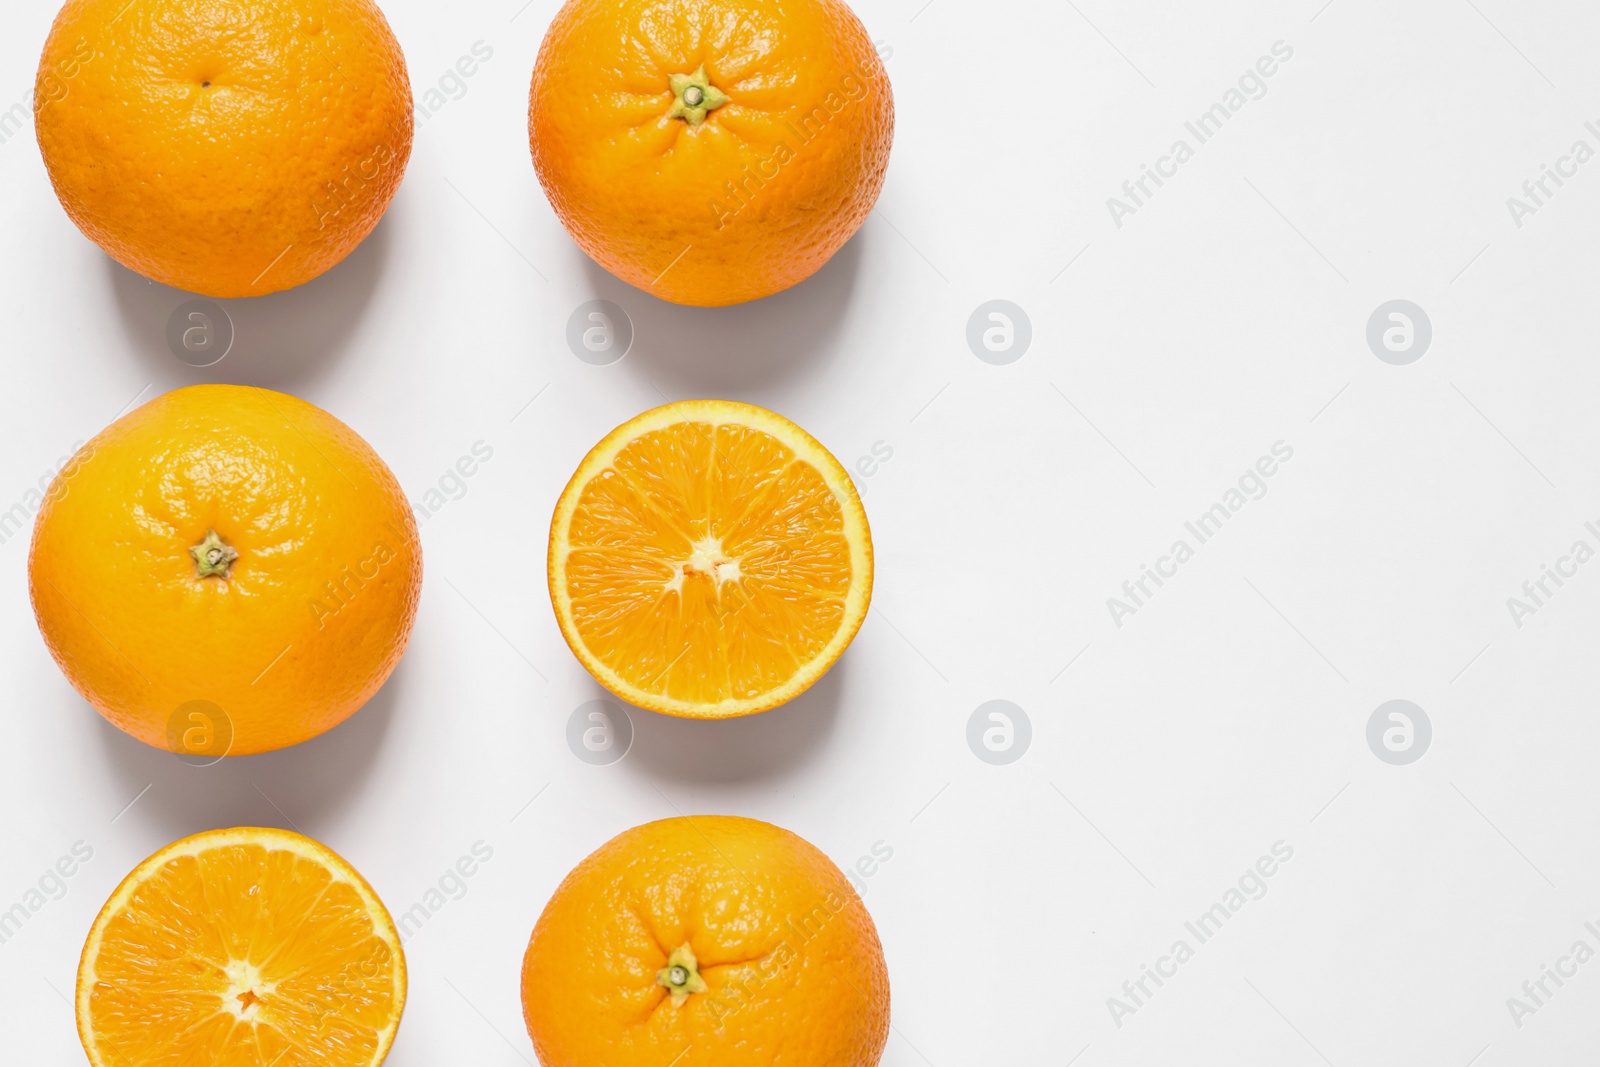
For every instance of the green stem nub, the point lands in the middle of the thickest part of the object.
(694, 96)
(213, 557)
(681, 975)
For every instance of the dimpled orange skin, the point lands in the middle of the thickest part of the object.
(317, 608)
(793, 970)
(258, 181)
(751, 201)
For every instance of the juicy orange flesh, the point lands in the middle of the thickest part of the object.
(242, 956)
(707, 563)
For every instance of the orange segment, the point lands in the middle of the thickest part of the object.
(709, 559)
(241, 948)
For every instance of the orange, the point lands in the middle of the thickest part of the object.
(241, 948)
(709, 941)
(225, 570)
(228, 147)
(709, 559)
(714, 152)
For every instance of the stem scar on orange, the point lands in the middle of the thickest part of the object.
(709, 559)
(710, 153)
(707, 940)
(225, 570)
(248, 946)
(227, 147)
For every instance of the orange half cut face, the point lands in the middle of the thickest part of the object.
(709, 559)
(241, 948)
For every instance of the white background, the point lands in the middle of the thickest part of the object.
(1229, 313)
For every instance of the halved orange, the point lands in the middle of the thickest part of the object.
(709, 559)
(241, 948)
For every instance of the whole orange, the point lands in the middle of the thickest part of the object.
(228, 147)
(711, 940)
(714, 152)
(225, 570)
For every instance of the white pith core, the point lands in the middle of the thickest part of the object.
(706, 557)
(246, 989)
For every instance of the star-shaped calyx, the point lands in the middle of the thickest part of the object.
(681, 975)
(693, 96)
(213, 557)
